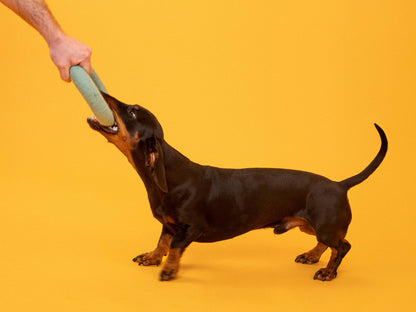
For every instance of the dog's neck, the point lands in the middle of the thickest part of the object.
(177, 166)
(173, 157)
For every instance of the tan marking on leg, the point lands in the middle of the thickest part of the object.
(155, 257)
(171, 266)
(313, 255)
(330, 272)
(307, 228)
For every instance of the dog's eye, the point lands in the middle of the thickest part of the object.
(132, 113)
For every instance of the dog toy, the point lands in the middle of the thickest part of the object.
(90, 87)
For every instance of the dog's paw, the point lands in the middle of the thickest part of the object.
(306, 259)
(167, 274)
(325, 275)
(147, 259)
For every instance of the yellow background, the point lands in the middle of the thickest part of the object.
(291, 84)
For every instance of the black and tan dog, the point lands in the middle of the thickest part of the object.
(198, 203)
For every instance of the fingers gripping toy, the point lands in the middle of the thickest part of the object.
(90, 88)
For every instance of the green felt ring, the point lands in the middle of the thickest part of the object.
(90, 88)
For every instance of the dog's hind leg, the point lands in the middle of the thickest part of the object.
(312, 256)
(329, 213)
(338, 253)
(332, 235)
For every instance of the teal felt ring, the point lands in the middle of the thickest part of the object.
(90, 88)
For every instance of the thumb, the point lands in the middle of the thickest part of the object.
(64, 72)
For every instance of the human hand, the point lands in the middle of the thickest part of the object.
(67, 51)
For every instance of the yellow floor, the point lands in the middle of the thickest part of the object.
(291, 84)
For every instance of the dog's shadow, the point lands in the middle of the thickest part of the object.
(261, 261)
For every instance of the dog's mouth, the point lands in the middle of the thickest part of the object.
(95, 124)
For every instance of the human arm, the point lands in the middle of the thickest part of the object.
(64, 50)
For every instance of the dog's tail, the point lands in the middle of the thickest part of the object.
(350, 182)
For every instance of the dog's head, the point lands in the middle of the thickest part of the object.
(138, 135)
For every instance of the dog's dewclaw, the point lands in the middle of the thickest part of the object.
(90, 88)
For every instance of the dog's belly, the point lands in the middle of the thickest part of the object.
(233, 229)
(216, 235)
(226, 226)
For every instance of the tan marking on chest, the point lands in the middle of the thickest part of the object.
(168, 219)
(123, 141)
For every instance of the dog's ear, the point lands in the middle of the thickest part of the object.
(154, 161)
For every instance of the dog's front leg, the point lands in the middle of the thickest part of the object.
(180, 241)
(155, 257)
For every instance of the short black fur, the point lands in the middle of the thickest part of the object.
(196, 203)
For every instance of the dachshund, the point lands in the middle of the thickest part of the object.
(196, 203)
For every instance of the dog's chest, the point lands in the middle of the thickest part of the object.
(164, 216)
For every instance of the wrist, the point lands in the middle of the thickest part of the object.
(54, 38)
